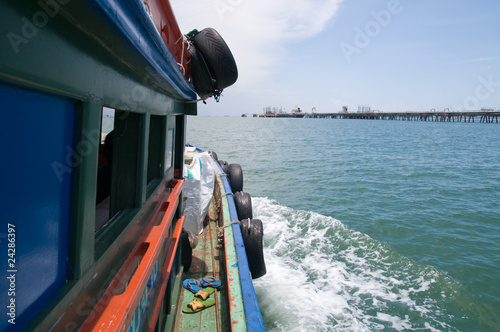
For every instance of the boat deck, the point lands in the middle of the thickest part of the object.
(207, 258)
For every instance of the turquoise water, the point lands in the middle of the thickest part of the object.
(370, 225)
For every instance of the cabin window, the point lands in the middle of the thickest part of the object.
(155, 149)
(104, 163)
(117, 185)
(125, 167)
(169, 151)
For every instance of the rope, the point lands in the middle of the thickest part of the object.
(230, 223)
(196, 101)
(182, 53)
(146, 4)
(189, 39)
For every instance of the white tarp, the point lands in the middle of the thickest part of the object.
(199, 178)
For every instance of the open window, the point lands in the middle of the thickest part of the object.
(169, 151)
(135, 152)
(155, 152)
(104, 166)
(118, 176)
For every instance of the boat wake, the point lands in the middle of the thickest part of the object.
(324, 276)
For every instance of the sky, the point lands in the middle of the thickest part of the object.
(390, 55)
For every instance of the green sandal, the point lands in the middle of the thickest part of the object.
(204, 293)
(198, 305)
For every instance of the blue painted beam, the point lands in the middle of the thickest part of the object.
(129, 19)
(252, 310)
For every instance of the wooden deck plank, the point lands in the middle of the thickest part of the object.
(202, 266)
(209, 260)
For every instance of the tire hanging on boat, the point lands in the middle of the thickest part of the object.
(223, 164)
(235, 177)
(213, 155)
(201, 80)
(213, 67)
(218, 56)
(252, 232)
(243, 202)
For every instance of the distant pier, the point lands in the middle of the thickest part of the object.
(465, 116)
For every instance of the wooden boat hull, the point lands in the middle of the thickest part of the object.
(221, 254)
(62, 65)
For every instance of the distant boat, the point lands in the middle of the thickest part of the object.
(296, 113)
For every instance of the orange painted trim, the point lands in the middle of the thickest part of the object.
(169, 261)
(115, 312)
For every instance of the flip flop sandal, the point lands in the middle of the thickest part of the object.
(198, 305)
(204, 293)
(191, 285)
(209, 282)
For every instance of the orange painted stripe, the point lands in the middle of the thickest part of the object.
(115, 312)
(169, 261)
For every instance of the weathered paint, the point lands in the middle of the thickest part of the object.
(116, 312)
(140, 313)
(204, 264)
(130, 21)
(253, 316)
(237, 309)
(167, 270)
(79, 56)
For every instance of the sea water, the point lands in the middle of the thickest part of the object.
(370, 225)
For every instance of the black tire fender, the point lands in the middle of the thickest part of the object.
(235, 176)
(202, 81)
(224, 165)
(252, 232)
(243, 202)
(218, 57)
(213, 155)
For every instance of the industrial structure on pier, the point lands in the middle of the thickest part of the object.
(485, 115)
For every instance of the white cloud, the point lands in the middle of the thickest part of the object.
(256, 31)
(461, 62)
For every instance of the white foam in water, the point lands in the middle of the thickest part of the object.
(322, 276)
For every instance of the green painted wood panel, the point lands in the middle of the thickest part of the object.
(87, 135)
